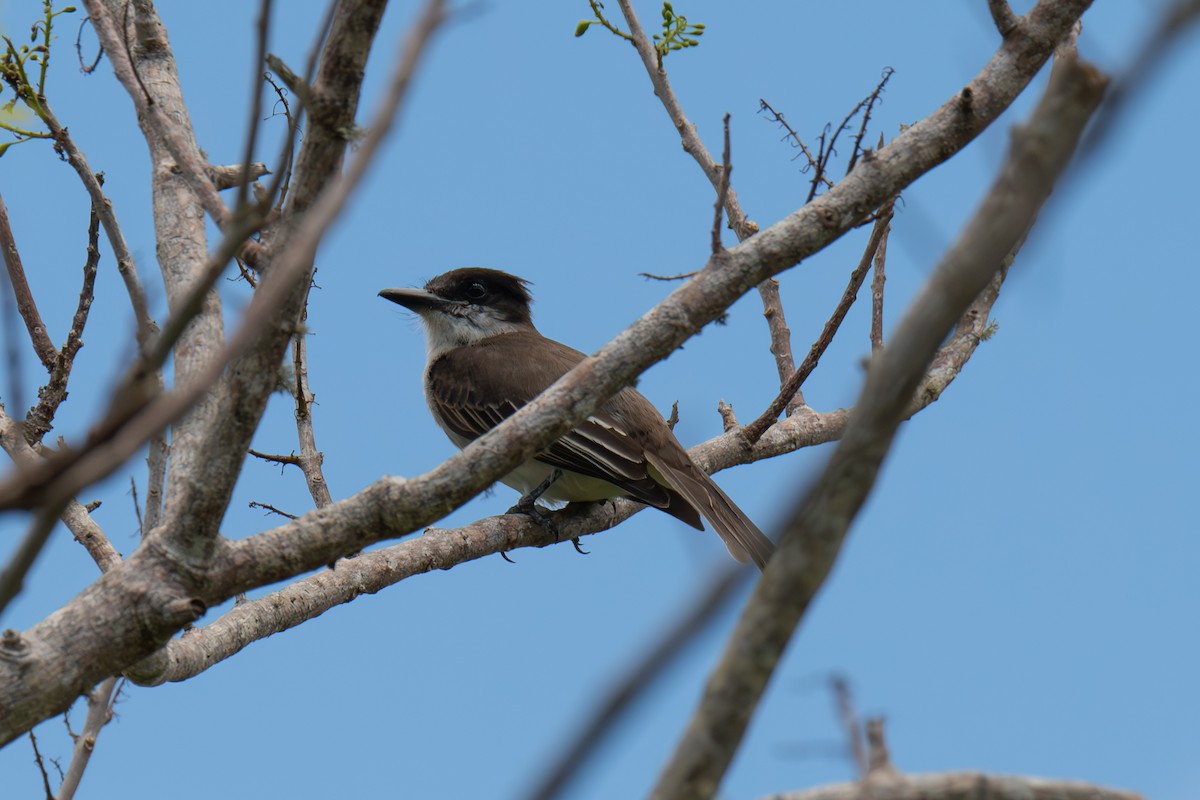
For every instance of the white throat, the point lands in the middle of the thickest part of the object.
(448, 330)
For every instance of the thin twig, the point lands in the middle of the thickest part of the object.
(868, 105)
(37, 759)
(754, 431)
(879, 759)
(137, 509)
(45, 349)
(851, 729)
(682, 276)
(781, 339)
(878, 279)
(272, 509)
(263, 25)
(99, 703)
(722, 193)
(84, 67)
(310, 457)
(40, 418)
(292, 459)
(778, 118)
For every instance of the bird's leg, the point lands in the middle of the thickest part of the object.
(528, 504)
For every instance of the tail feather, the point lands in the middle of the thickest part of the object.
(743, 538)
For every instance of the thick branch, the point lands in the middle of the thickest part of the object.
(813, 535)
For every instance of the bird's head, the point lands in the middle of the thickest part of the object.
(467, 305)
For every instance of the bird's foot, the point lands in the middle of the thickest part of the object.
(528, 506)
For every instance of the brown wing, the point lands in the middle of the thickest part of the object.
(464, 385)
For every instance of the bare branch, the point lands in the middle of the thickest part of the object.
(781, 339)
(778, 118)
(850, 724)
(1002, 14)
(976, 785)
(99, 713)
(867, 105)
(311, 458)
(272, 509)
(26, 306)
(291, 459)
(40, 418)
(791, 386)
(227, 176)
(37, 759)
(722, 193)
(813, 535)
(879, 759)
(879, 277)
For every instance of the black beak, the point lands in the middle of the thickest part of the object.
(413, 299)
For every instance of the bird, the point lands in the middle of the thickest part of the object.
(485, 359)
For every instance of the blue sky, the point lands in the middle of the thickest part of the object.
(1019, 595)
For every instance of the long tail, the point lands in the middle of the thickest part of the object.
(743, 538)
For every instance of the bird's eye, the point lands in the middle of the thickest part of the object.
(475, 291)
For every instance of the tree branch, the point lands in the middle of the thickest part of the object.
(791, 386)
(1002, 14)
(40, 419)
(814, 533)
(45, 349)
(99, 703)
(955, 785)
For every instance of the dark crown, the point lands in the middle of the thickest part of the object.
(485, 287)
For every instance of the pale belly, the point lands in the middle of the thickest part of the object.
(570, 486)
